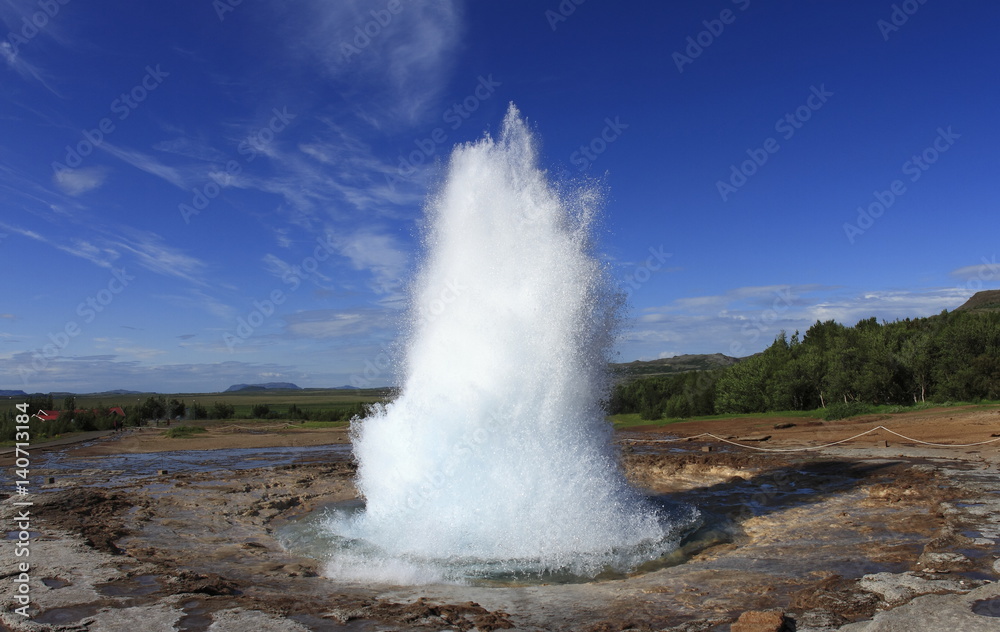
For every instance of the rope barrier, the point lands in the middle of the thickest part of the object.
(819, 447)
(234, 428)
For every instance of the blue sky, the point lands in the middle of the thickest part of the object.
(196, 194)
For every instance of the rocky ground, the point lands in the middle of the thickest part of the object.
(856, 537)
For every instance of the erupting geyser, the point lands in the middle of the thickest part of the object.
(496, 458)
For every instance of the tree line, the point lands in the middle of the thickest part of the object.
(154, 409)
(954, 356)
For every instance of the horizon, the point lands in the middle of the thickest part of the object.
(207, 194)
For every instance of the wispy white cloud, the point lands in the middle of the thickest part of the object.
(199, 299)
(148, 164)
(190, 148)
(79, 181)
(281, 235)
(22, 231)
(377, 253)
(400, 69)
(987, 270)
(85, 374)
(102, 256)
(151, 253)
(106, 247)
(27, 70)
(322, 324)
(746, 320)
(24, 37)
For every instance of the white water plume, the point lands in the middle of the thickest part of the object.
(496, 458)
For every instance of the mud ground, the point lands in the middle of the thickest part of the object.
(838, 539)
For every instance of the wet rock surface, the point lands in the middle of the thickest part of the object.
(835, 542)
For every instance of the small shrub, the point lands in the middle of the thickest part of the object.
(650, 413)
(841, 410)
(181, 432)
(260, 411)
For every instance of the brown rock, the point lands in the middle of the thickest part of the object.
(761, 621)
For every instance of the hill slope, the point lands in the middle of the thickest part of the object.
(677, 364)
(987, 300)
(263, 387)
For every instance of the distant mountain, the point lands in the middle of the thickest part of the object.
(346, 387)
(117, 391)
(676, 364)
(987, 300)
(13, 394)
(269, 386)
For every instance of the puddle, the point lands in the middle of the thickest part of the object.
(15, 535)
(987, 607)
(63, 616)
(311, 535)
(135, 587)
(55, 582)
(127, 466)
(196, 617)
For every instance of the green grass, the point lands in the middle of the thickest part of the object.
(308, 400)
(324, 424)
(629, 420)
(634, 419)
(181, 432)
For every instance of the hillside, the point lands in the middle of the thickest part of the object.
(987, 300)
(287, 386)
(670, 366)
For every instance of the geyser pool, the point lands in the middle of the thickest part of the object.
(496, 459)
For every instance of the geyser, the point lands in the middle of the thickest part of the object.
(496, 459)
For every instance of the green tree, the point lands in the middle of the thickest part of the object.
(155, 407)
(176, 409)
(221, 410)
(260, 411)
(741, 388)
(39, 401)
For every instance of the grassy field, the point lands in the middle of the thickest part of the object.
(279, 401)
(634, 419)
(243, 401)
